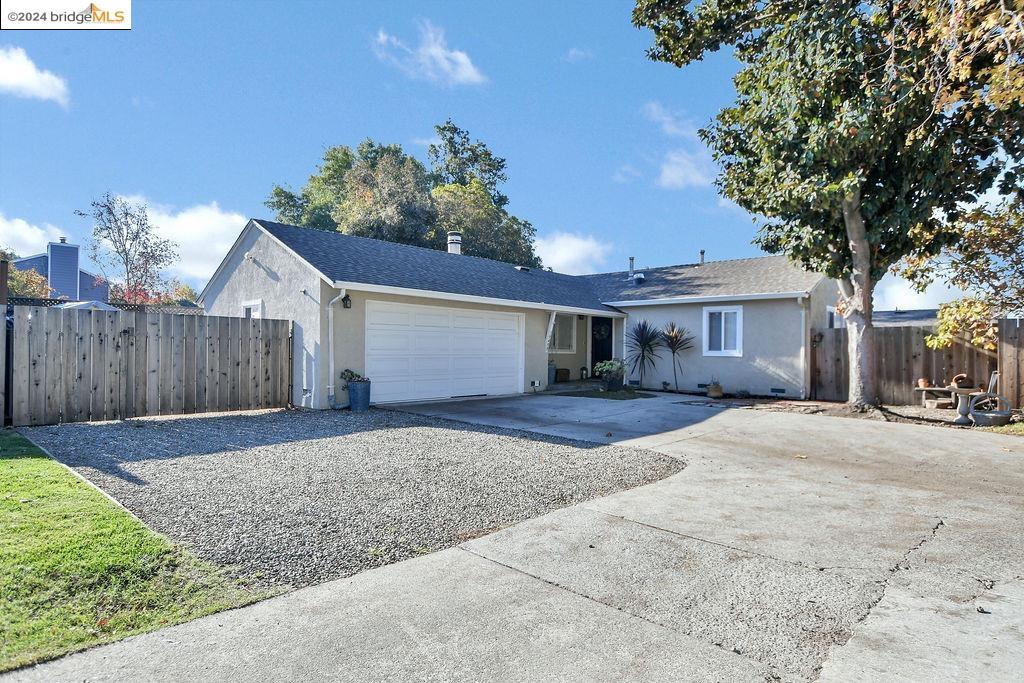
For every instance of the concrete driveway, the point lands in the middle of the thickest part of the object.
(792, 546)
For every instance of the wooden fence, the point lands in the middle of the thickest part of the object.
(902, 357)
(1011, 361)
(77, 366)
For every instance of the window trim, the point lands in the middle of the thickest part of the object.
(732, 353)
(834, 323)
(572, 338)
(253, 304)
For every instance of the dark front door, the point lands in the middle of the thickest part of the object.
(600, 341)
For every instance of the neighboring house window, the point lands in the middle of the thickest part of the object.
(723, 331)
(563, 337)
(833, 317)
(252, 309)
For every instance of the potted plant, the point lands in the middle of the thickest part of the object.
(611, 372)
(358, 390)
(923, 382)
(715, 389)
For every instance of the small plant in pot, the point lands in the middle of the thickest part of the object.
(358, 390)
(611, 372)
(715, 389)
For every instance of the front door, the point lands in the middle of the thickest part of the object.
(600, 341)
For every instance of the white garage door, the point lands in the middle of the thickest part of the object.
(423, 352)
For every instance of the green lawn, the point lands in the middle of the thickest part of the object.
(77, 570)
(1014, 428)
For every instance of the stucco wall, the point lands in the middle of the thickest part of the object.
(350, 333)
(578, 359)
(825, 294)
(290, 290)
(772, 348)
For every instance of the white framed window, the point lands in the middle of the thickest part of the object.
(833, 319)
(723, 330)
(563, 336)
(252, 309)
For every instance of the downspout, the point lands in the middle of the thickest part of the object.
(804, 347)
(330, 348)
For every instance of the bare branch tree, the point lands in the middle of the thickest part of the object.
(127, 249)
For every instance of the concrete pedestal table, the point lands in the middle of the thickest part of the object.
(963, 405)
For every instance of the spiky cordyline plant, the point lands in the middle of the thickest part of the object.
(676, 339)
(643, 342)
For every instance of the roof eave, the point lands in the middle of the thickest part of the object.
(667, 301)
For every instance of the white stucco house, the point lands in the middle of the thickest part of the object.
(426, 324)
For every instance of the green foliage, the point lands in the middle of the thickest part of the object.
(24, 282)
(643, 342)
(613, 368)
(456, 160)
(966, 316)
(380, 191)
(676, 339)
(76, 570)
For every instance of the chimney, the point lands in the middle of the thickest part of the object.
(631, 258)
(702, 257)
(62, 269)
(454, 242)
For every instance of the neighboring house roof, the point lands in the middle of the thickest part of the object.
(923, 317)
(766, 275)
(361, 260)
(91, 287)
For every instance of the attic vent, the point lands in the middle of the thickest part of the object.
(638, 278)
(522, 269)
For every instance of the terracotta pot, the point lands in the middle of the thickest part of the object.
(715, 391)
(924, 382)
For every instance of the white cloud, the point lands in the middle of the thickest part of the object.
(427, 142)
(19, 76)
(625, 174)
(431, 60)
(894, 292)
(572, 253)
(25, 239)
(681, 168)
(203, 232)
(671, 124)
(578, 54)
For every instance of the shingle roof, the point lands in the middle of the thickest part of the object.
(764, 275)
(347, 258)
(922, 317)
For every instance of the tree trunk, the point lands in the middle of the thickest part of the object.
(857, 291)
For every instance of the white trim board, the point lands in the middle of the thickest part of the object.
(707, 299)
(470, 298)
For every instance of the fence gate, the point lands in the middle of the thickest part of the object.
(75, 366)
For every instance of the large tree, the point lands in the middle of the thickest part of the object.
(127, 248)
(835, 138)
(380, 191)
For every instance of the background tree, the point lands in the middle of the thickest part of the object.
(380, 191)
(387, 197)
(127, 249)
(836, 139)
(455, 160)
(182, 291)
(28, 283)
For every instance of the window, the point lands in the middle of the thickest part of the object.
(252, 309)
(723, 331)
(832, 317)
(563, 336)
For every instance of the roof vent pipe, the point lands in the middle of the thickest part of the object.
(702, 257)
(454, 242)
(63, 240)
(631, 258)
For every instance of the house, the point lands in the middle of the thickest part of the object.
(67, 280)
(427, 324)
(919, 317)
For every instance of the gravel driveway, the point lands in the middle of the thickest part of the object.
(300, 497)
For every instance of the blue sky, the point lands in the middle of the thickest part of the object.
(202, 107)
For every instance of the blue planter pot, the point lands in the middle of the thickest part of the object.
(359, 396)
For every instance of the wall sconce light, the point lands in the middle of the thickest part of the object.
(346, 301)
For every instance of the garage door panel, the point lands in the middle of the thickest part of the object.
(416, 352)
(388, 341)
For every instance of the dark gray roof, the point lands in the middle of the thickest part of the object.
(764, 275)
(347, 258)
(922, 317)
